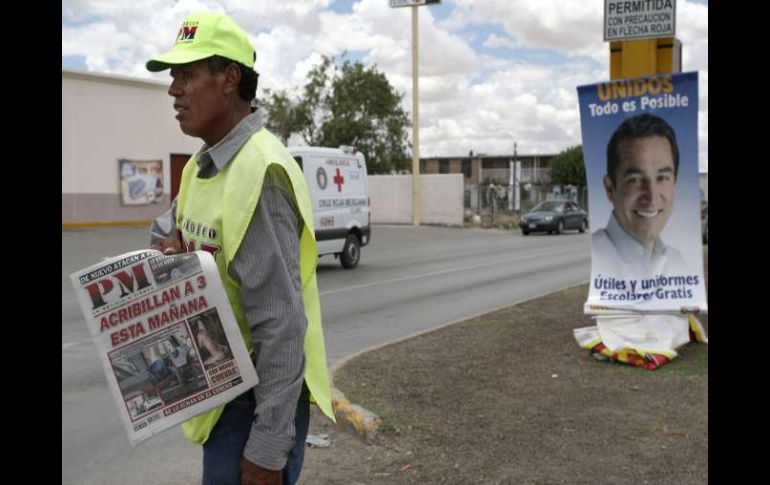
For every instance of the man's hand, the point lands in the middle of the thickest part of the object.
(170, 245)
(252, 474)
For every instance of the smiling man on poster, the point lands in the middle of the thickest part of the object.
(640, 183)
(640, 143)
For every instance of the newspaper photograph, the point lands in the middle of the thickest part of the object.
(167, 338)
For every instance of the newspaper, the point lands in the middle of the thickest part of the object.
(166, 336)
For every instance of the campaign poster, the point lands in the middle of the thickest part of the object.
(140, 181)
(640, 146)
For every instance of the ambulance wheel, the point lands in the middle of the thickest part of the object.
(351, 253)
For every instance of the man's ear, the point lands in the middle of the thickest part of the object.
(232, 78)
(609, 187)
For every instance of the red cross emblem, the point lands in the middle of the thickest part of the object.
(338, 180)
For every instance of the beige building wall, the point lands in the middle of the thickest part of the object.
(456, 166)
(106, 118)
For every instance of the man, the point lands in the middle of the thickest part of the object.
(243, 198)
(642, 169)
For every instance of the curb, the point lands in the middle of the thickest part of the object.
(364, 423)
(89, 225)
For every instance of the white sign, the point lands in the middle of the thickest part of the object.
(639, 19)
(411, 3)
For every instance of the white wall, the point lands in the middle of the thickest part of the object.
(441, 199)
(105, 118)
(391, 199)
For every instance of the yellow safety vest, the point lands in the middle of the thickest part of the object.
(214, 215)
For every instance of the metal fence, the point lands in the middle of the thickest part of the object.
(501, 199)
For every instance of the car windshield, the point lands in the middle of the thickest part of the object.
(549, 206)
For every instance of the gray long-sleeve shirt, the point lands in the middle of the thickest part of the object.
(267, 267)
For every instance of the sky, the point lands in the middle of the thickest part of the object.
(492, 72)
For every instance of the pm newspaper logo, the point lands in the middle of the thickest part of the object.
(166, 337)
(103, 283)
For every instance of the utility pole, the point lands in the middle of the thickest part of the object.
(516, 180)
(478, 184)
(510, 180)
(415, 102)
(415, 120)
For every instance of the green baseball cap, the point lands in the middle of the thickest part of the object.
(203, 35)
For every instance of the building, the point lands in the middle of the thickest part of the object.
(120, 147)
(533, 180)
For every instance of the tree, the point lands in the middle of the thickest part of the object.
(312, 111)
(304, 116)
(365, 111)
(282, 114)
(567, 168)
(346, 105)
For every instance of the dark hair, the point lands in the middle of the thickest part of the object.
(247, 88)
(640, 126)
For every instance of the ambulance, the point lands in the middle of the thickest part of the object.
(339, 191)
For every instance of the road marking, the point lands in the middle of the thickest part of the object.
(444, 271)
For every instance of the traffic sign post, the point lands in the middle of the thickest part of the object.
(641, 35)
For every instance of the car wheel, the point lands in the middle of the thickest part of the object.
(560, 227)
(583, 225)
(525, 232)
(351, 253)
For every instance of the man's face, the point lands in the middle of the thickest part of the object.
(643, 193)
(198, 99)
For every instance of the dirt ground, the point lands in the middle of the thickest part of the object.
(509, 398)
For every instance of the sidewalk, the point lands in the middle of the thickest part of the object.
(509, 397)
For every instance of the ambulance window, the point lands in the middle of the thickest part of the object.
(299, 161)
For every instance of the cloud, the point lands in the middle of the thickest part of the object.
(520, 86)
(495, 40)
(572, 26)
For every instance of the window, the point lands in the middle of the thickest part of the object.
(443, 166)
(299, 161)
(467, 168)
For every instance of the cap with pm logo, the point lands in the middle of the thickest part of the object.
(204, 35)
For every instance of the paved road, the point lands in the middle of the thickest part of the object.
(413, 279)
(409, 280)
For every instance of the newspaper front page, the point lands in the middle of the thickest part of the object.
(166, 336)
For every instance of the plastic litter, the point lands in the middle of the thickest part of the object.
(318, 441)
